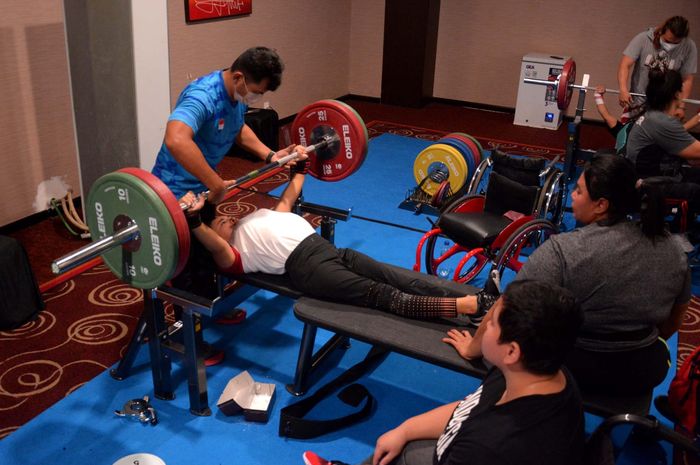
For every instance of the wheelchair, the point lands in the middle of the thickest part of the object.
(512, 205)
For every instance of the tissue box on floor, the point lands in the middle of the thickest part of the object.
(243, 393)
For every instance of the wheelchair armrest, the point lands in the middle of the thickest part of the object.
(549, 166)
(649, 424)
(657, 180)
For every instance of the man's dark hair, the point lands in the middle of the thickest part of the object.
(258, 64)
(544, 320)
(678, 25)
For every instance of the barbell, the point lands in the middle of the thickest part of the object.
(568, 75)
(140, 227)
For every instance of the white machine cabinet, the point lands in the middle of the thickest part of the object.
(537, 105)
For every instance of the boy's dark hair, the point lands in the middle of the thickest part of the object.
(544, 320)
(259, 63)
(662, 88)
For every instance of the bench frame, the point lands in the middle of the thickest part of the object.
(329, 316)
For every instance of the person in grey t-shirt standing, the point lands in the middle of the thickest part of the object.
(665, 47)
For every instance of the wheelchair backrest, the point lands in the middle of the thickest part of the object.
(519, 169)
(504, 194)
(514, 183)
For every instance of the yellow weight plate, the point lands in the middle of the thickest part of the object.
(433, 157)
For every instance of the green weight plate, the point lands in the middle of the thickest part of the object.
(436, 155)
(151, 258)
(359, 118)
(175, 210)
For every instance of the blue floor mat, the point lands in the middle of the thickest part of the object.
(83, 429)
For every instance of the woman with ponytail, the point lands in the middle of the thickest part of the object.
(630, 277)
(659, 145)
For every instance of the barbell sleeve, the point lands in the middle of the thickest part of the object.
(94, 249)
(544, 82)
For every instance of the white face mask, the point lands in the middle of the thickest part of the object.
(250, 98)
(668, 46)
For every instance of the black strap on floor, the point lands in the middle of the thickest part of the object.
(292, 422)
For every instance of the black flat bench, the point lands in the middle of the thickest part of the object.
(418, 339)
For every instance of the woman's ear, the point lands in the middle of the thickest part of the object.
(602, 206)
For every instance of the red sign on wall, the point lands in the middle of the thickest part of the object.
(197, 10)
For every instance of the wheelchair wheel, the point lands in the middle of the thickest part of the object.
(553, 198)
(521, 244)
(443, 257)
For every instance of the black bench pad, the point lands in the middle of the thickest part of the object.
(416, 338)
(423, 340)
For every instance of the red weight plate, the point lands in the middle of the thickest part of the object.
(173, 206)
(564, 89)
(473, 147)
(440, 194)
(324, 118)
(464, 150)
(478, 154)
(353, 118)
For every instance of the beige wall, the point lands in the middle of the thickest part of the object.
(311, 36)
(366, 47)
(481, 43)
(331, 48)
(37, 145)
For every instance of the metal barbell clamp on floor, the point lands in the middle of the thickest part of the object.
(140, 227)
(568, 76)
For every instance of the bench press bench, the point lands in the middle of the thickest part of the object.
(384, 331)
(417, 339)
(194, 307)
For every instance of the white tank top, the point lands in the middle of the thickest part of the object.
(266, 238)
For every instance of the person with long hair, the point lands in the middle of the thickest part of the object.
(630, 276)
(659, 145)
(662, 48)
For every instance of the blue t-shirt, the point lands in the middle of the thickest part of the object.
(216, 119)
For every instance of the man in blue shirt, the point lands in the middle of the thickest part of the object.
(209, 118)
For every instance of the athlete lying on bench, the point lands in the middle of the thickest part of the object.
(277, 241)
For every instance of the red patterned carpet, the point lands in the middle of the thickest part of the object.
(88, 321)
(689, 335)
(379, 127)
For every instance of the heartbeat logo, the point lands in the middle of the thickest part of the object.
(220, 7)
